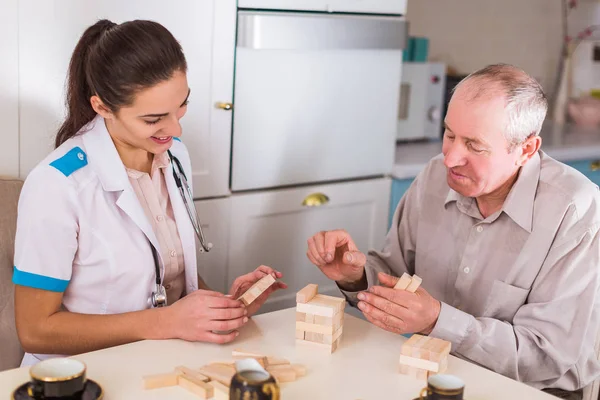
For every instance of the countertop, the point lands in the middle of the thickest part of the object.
(365, 366)
(568, 143)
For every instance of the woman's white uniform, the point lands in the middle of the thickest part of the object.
(82, 231)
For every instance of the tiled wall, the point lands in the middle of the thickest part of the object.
(469, 34)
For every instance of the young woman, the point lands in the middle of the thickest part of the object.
(103, 233)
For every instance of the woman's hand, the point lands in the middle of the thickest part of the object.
(197, 315)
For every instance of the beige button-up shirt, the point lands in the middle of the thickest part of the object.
(153, 195)
(519, 289)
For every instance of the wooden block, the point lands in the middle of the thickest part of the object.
(416, 373)
(412, 347)
(221, 392)
(219, 372)
(300, 369)
(305, 295)
(336, 321)
(202, 389)
(326, 329)
(313, 337)
(261, 360)
(277, 361)
(283, 373)
(414, 284)
(329, 339)
(426, 348)
(403, 282)
(319, 346)
(419, 363)
(240, 354)
(336, 303)
(300, 316)
(316, 309)
(300, 334)
(256, 290)
(309, 318)
(160, 380)
(188, 371)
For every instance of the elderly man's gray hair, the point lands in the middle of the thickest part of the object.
(526, 103)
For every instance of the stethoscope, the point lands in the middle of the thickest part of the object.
(159, 296)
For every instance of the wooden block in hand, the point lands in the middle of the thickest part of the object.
(307, 293)
(160, 380)
(414, 284)
(221, 392)
(202, 389)
(256, 290)
(403, 282)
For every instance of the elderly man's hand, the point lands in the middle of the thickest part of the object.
(399, 311)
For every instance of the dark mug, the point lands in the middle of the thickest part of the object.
(443, 387)
(252, 381)
(57, 378)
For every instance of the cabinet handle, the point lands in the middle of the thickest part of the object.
(224, 106)
(595, 165)
(315, 200)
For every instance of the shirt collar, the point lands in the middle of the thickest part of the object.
(519, 202)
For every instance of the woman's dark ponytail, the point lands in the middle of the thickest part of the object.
(114, 62)
(79, 109)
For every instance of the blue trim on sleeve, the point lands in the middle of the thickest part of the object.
(73, 160)
(176, 138)
(38, 281)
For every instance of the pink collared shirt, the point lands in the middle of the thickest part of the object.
(152, 193)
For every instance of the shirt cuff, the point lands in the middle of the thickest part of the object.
(452, 325)
(351, 297)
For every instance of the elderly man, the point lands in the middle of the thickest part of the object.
(505, 238)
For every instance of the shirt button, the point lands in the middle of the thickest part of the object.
(480, 229)
(80, 156)
(466, 270)
(173, 253)
(159, 218)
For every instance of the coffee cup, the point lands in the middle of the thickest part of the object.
(57, 378)
(443, 387)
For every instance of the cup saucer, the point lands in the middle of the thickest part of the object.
(92, 391)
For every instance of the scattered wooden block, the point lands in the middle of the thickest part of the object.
(403, 282)
(305, 295)
(414, 284)
(300, 369)
(256, 290)
(160, 380)
(201, 388)
(238, 355)
(188, 371)
(277, 361)
(221, 392)
(283, 373)
(219, 372)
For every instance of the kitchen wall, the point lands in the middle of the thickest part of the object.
(469, 34)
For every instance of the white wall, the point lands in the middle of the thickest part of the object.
(469, 34)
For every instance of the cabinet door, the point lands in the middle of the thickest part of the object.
(9, 90)
(206, 31)
(271, 228)
(214, 217)
(358, 6)
(399, 187)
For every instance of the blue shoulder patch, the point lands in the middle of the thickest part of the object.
(72, 161)
(176, 138)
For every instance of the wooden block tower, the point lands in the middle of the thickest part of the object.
(422, 356)
(319, 319)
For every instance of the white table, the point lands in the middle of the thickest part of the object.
(365, 366)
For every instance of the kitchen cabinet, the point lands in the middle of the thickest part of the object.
(9, 95)
(272, 227)
(206, 31)
(399, 187)
(357, 6)
(590, 168)
(214, 215)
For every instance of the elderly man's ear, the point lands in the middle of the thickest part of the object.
(528, 149)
